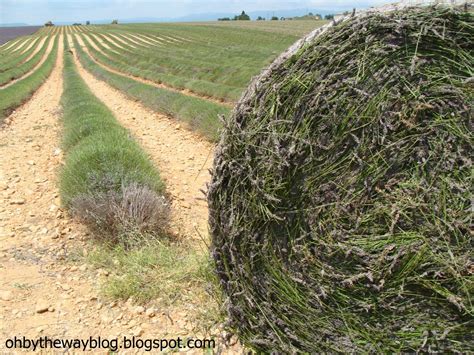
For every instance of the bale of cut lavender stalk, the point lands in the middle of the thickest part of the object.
(341, 196)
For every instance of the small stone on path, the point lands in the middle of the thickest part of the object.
(6, 295)
(18, 201)
(42, 306)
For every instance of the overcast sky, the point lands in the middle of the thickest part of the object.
(40, 11)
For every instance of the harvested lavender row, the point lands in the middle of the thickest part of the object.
(341, 194)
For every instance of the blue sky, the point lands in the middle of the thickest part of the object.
(39, 11)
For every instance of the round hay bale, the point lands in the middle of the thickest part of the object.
(341, 196)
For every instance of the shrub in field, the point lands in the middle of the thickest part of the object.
(107, 180)
(133, 211)
(341, 194)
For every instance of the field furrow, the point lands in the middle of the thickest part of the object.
(166, 39)
(10, 46)
(9, 61)
(117, 39)
(43, 59)
(184, 39)
(97, 38)
(40, 44)
(21, 45)
(23, 64)
(14, 95)
(143, 39)
(37, 238)
(200, 114)
(128, 37)
(173, 39)
(30, 45)
(127, 63)
(101, 41)
(154, 39)
(29, 159)
(143, 80)
(90, 40)
(115, 43)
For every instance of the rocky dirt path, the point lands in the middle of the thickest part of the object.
(43, 290)
(182, 157)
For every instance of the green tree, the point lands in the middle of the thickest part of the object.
(242, 17)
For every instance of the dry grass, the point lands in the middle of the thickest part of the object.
(126, 217)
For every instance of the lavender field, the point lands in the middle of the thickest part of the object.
(9, 33)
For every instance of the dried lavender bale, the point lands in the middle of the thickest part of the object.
(341, 196)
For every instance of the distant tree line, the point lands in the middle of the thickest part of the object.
(244, 17)
(50, 23)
